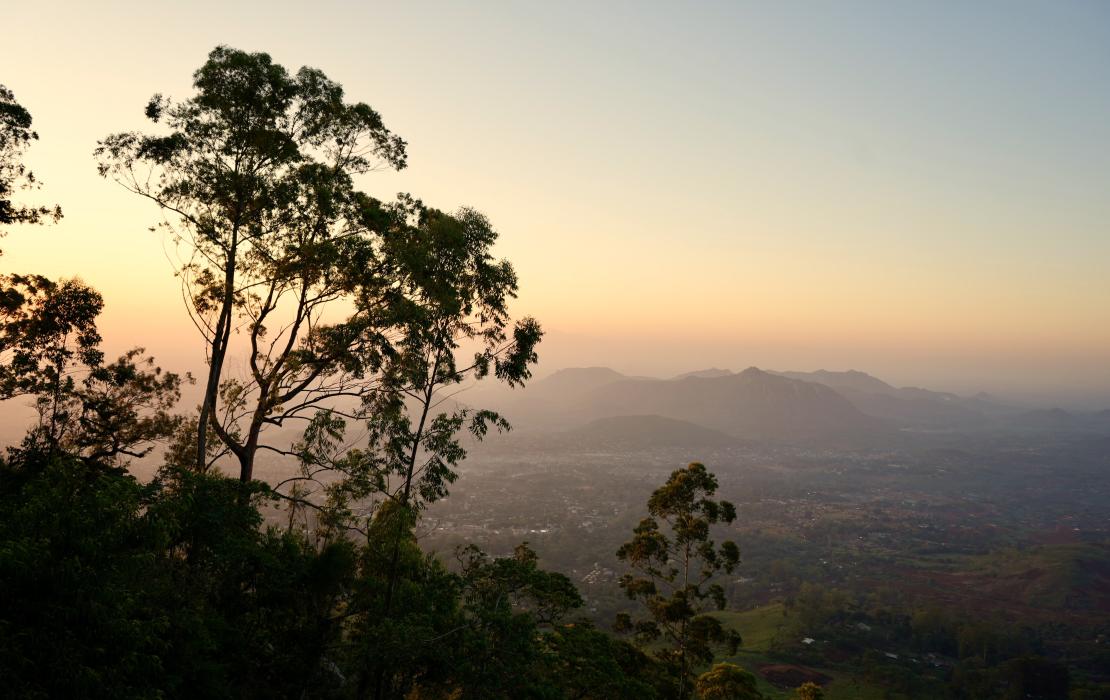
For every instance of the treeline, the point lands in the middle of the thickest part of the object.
(178, 588)
(110, 588)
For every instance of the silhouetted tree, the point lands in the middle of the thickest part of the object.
(33, 310)
(116, 412)
(45, 327)
(15, 136)
(110, 589)
(675, 559)
(256, 179)
(494, 628)
(50, 346)
(589, 664)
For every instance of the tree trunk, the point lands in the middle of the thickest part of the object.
(219, 350)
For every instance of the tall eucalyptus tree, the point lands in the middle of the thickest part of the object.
(345, 305)
(674, 561)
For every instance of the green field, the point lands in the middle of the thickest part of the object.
(758, 628)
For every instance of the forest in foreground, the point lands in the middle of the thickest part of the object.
(332, 327)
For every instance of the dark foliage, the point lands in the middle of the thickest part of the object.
(15, 136)
(110, 588)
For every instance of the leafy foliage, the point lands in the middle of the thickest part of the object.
(255, 175)
(109, 588)
(15, 136)
(727, 682)
(50, 345)
(118, 411)
(809, 691)
(675, 560)
(45, 328)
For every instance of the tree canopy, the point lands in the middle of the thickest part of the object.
(674, 560)
(349, 308)
(16, 135)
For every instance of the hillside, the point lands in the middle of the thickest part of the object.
(851, 379)
(749, 404)
(908, 407)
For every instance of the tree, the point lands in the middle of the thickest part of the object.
(347, 309)
(50, 345)
(588, 663)
(809, 691)
(509, 605)
(815, 607)
(74, 619)
(727, 682)
(177, 587)
(116, 412)
(256, 179)
(25, 298)
(256, 182)
(45, 327)
(15, 136)
(675, 559)
(50, 349)
(110, 588)
(493, 628)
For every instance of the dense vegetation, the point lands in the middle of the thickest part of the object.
(176, 588)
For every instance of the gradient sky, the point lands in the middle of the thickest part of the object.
(920, 190)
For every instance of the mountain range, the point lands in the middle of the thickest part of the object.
(592, 405)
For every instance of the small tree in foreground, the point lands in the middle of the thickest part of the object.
(809, 691)
(675, 560)
(727, 682)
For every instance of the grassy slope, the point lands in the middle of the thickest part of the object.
(758, 627)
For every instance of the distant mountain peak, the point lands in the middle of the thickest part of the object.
(711, 373)
(858, 374)
(572, 381)
(848, 379)
(584, 372)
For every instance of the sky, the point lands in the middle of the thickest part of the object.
(918, 190)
